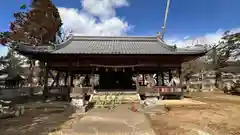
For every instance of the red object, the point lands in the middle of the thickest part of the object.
(134, 109)
(163, 89)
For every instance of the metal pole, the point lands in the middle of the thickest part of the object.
(165, 19)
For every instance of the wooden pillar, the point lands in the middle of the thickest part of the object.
(45, 90)
(92, 80)
(181, 79)
(169, 75)
(137, 82)
(71, 79)
(143, 79)
(70, 84)
(57, 78)
(66, 78)
(162, 77)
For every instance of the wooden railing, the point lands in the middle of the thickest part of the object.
(167, 88)
(83, 90)
(60, 90)
(163, 90)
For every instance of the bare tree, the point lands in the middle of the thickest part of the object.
(192, 67)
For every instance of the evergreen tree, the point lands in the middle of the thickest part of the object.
(12, 64)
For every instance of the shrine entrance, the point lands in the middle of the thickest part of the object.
(116, 81)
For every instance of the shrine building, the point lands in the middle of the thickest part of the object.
(115, 59)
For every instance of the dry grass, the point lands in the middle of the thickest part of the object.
(39, 119)
(220, 116)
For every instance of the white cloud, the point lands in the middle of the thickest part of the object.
(97, 17)
(208, 38)
(186, 37)
(103, 8)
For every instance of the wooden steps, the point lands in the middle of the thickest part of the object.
(110, 99)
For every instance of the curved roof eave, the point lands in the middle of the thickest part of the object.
(138, 42)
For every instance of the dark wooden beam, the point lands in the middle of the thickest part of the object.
(57, 78)
(143, 79)
(66, 78)
(169, 75)
(162, 78)
(108, 58)
(45, 90)
(88, 70)
(51, 74)
(71, 79)
(181, 81)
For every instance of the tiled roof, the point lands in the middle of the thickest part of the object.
(113, 45)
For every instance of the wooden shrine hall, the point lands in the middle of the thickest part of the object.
(115, 59)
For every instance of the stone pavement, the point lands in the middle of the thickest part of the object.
(120, 121)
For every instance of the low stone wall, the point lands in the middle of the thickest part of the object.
(9, 93)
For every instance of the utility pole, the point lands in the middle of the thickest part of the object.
(165, 19)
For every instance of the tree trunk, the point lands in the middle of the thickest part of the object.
(187, 79)
(217, 78)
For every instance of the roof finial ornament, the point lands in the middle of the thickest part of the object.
(159, 36)
(175, 47)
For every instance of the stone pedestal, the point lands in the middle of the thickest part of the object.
(78, 99)
(83, 109)
(79, 104)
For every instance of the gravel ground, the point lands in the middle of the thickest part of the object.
(219, 116)
(39, 119)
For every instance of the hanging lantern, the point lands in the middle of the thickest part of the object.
(123, 69)
(96, 69)
(132, 68)
(115, 69)
(106, 70)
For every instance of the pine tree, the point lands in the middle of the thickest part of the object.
(13, 64)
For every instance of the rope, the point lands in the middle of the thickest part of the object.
(118, 66)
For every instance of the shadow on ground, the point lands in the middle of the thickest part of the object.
(235, 93)
(38, 119)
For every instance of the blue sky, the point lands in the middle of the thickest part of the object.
(187, 18)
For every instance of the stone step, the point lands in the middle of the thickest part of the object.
(121, 98)
(116, 93)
